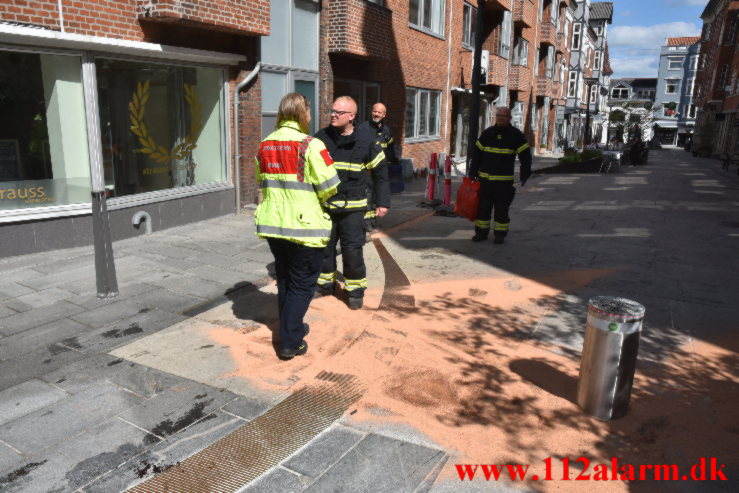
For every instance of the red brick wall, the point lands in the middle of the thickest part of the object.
(120, 18)
(37, 12)
(359, 27)
(251, 16)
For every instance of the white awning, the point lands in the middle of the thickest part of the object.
(31, 36)
(666, 124)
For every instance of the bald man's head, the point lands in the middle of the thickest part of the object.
(502, 116)
(379, 112)
(343, 112)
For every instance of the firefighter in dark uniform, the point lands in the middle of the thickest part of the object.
(358, 158)
(377, 126)
(493, 163)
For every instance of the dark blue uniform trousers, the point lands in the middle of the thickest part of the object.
(297, 269)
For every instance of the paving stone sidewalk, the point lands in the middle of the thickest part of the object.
(73, 417)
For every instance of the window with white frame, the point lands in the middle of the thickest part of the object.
(620, 93)
(691, 111)
(694, 62)
(469, 26)
(671, 86)
(428, 15)
(597, 64)
(504, 46)
(599, 29)
(517, 113)
(422, 109)
(521, 52)
(689, 86)
(536, 63)
(594, 94)
(670, 109)
(572, 84)
(722, 76)
(576, 34)
(550, 62)
(675, 62)
(291, 58)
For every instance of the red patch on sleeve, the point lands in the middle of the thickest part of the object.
(327, 157)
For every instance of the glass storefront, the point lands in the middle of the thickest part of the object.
(161, 126)
(43, 134)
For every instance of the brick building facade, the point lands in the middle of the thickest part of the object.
(164, 76)
(716, 93)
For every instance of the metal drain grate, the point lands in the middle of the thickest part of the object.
(262, 443)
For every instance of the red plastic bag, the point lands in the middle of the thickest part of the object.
(468, 198)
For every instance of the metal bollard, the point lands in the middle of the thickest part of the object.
(609, 356)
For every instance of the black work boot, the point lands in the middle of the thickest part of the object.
(354, 302)
(321, 291)
(480, 234)
(290, 353)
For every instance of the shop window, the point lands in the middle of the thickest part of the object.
(422, 113)
(43, 135)
(469, 26)
(428, 15)
(162, 126)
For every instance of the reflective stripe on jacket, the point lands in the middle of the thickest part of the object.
(296, 175)
(354, 156)
(384, 138)
(494, 155)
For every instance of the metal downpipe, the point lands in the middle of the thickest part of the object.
(237, 143)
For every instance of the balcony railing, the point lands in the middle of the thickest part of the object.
(547, 33)
(360, 28)
(520, 78)
(543, 85)
(225, 15)
(524, 12)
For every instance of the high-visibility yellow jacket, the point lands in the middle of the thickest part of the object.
(296, 174)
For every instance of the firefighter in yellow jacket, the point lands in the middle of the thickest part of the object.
(296, 175)
(493, 162)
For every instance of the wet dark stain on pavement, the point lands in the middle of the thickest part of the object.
(72, 342)
(200, 396)
(144, 310)
(206, 346)
(147, 468)
(168, 427)
(115, 362)
(90, 468)
(61, 380)
(21, 472)
(116, 333)
(55, 349)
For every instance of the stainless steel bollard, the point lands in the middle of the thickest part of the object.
(609, 356)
